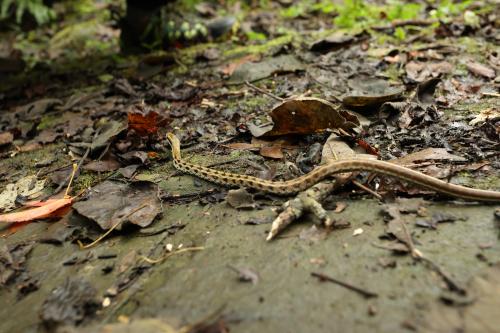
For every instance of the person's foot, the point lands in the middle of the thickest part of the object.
(147, 28)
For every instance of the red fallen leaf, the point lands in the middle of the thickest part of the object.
(145, 124)
(152, 154)
(367, 147)
(37, 213)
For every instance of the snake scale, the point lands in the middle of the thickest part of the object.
(346, 165)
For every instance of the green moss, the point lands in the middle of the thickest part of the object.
(26, 161)
(260, 48)
(393, 72)
(480, 182)
(49, 121)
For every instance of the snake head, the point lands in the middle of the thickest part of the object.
(175, 145)
(171, 137)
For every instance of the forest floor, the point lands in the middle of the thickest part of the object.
(142, 246)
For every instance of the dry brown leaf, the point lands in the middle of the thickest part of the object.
(102, 166)
(485, 115)
(305, 115)
(481, 315)
(272, 152)
(481, 70)
(435, 154)
(243, 146)
(336, 149)
(6, 138)
(230, 68)
(421, 71)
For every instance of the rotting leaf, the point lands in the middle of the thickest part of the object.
(109, 202)
(336, 41)
(481, 315)
(305, 115)
(435, 219)
(310, 158)
(408, 114)
(240, 198)
(267, 148)
(107, 132)
(421, 71)
(425, 91)
(230, 68)
(69, 303)
(396, 226)
(336, 149)
(485, 115)
(62, 177)
(12, 259)
(370, 92)
(481, 70)
(136, 156)
(27, 188)
(40, 106)
(129, 171)
(272, 152)
(250, 71)
(429, 154)
(102, 166)
(6, 138)
(245, 274)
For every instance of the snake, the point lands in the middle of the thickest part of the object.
(322, 172)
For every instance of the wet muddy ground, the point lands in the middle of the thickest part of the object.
(409, 260)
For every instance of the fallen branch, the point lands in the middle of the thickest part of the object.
(307, 202)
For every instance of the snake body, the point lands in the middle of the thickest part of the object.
(346, 165)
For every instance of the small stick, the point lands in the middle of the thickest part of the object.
(452, 285)
(367, 189)
(262, 91)
(70, 181)
(110, 229)
(71, 176)
(187, 249)
(324, 277)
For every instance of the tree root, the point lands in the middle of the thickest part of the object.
(307, 202)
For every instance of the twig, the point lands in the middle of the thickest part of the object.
(307, 201)
(156, 261)
(70, 176)
(367, 189)
(262, 91)
(44, 173)
(110, 229)
(452, 285)
(363, 292)
(489, 94)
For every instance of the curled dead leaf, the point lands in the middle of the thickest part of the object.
(305, 115)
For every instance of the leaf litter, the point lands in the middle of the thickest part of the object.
(440, 130)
